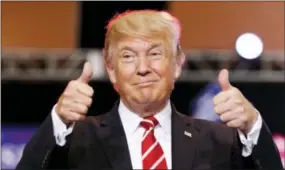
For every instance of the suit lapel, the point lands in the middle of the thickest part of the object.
(184, 141)
(114, 140)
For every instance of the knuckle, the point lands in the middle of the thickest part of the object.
(66, 94)
(65, 117)
(64, 101)
(229, 124)
(240, 109)
(217, 110)
(79, 117)
(61, 111)
(84, 109)
(91, 91)
(89, 102)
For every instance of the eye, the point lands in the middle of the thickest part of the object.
(155, 54)
(128, 57)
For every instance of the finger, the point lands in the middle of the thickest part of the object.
(75, 96)
(79, 108)
(83, 99)
(68, 116)
(236, 123)
(229, 116)
(87, 73)
(73, 106)
(229, 105)
(85, 89)
(222, 97)
(73, 116)
(223, 80)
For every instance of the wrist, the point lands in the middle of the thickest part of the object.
(251, 123)
(57, 111)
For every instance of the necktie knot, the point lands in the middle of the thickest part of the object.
(149, 122)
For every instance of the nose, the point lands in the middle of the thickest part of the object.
(143, 66)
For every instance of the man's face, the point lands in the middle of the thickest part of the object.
(142, 71)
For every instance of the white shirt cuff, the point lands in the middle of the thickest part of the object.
(60, 129)
(252, 137)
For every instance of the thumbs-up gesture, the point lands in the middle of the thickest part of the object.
(232, 107)
(76, 99)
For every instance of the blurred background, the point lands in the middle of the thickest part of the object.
(44, 45)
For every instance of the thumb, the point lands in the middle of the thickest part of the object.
(223, 80)
(87, 73)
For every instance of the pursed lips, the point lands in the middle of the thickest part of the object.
(146, 83)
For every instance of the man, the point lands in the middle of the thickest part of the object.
(143, 130)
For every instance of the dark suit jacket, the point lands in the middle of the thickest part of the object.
(100, 143)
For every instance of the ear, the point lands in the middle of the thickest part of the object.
(109, 67)
(179, 64)
(111, 72)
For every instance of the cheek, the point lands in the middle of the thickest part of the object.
(164, 69)
(125, 71)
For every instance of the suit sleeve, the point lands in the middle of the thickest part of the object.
(264, 156)
(41, 152)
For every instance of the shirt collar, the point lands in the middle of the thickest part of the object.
(131, 120)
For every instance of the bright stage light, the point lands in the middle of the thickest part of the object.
(249, 46)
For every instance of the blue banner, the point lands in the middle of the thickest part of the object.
(14, 139)
(202, 106)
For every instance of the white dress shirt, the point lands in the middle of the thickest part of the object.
(162, 132)
(134, 133)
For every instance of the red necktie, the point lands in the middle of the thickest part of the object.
(152, 153)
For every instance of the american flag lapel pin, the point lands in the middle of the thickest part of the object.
(188, 134)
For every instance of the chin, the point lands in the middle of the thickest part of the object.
(150, 99)
(144, 101)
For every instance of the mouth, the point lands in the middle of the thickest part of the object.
(146, 83)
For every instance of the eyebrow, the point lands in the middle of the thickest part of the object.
(154, 46)
(128, 48)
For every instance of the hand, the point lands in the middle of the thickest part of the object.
(232, 107)
(76, 99)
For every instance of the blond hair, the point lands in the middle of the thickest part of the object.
(143, 24)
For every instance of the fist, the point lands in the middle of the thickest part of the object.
(76, 99)
(232, 107)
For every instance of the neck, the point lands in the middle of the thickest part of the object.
(147, 109)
